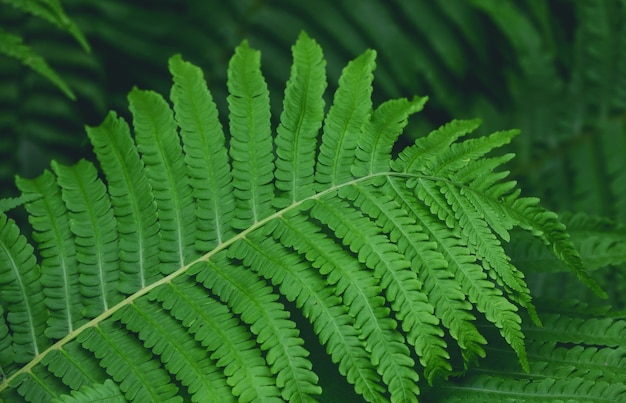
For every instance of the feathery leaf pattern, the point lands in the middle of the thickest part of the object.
(179, 268)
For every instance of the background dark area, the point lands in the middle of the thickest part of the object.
(505, 62)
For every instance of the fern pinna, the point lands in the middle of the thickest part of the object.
(174, 273)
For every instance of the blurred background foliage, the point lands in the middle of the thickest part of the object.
(554, 68)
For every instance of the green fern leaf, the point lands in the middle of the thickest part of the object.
(444, 291)
(334, 326)
(301, 120)
(545, 225)
(178, 274)
(419, 157)
(105, 392)
(488, 248)
(230, 344)
(182, 354)
(251, 142)
(12, 45)
(460, 154)
(52, 11)
(139, 377)
(94, 227)
(74, 364)
(51, 227)
(203, 142)
(569, 359)
(159, 145)
(403, 289)
(477, 176)
(269, 321)
(21, 296)
(136, 213)
(381, 132)
(600, 241)
(10, 203)
(342, 127)
(375, 252)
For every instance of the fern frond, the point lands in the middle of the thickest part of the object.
(381, 132)
(582, 330)
(203, 142)
(7, 354)
(256, 304)
(94, 228)
(10, 203)
(444, 291)
(251, 141)
(51, 11)
(107, 391)
(21, 296)
(59, 265)
(487, 248)
(360, 292)
(12, 45)
(296, 136)
(181, 353)
(74, 366)
(342, 127)
(484, 295)
(496, 389)
(480, 178)
(374, 251)
(569, 361)
(138, 376)
(460, 154)
(600, 242)
(159, 145)
(230, 344)
(404, 290)
(604, 364)
(193, 256)
(481, 292)
(449, 161)
(545, 225)
(135, 213)
(39, 386)
(419, 157)
(337, 330)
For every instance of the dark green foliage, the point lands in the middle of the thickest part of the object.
(575, 357)
(11, 45)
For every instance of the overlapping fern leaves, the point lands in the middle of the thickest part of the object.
(578, 356)
(12, 45)
(173, 277)
(37, 121)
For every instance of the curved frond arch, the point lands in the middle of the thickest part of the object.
(173, 269)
